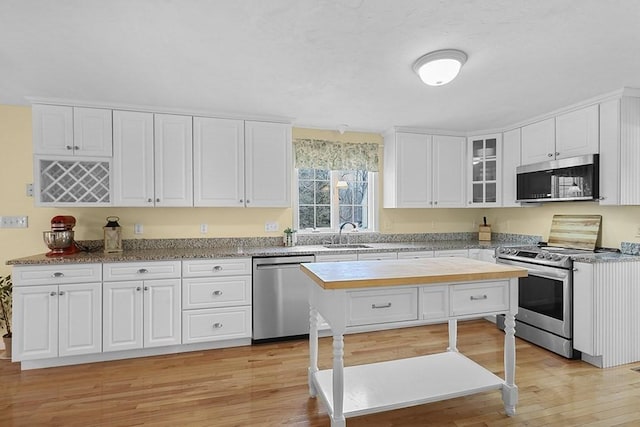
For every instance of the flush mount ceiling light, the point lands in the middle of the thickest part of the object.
(440, 67)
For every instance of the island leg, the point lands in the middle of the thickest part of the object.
(453, 335)
(313, 350)
(337, 418)
(510, 390)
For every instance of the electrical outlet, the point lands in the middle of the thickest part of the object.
(270, 226)
(204, 228)
(29, 190)
(14, 221)
(138, 229)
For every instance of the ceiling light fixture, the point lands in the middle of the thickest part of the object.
(440, 67)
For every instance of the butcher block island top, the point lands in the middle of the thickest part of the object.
(459, 288)
(366, 274)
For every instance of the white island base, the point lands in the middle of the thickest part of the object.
(383, 386)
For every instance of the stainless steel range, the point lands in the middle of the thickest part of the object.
(545, 303)
(545, 297)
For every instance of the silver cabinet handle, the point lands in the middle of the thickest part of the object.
(57, 274)
(241, 200)
(217, 325)
(149, 200)
(387, 305)
(61, 293)
(217, 293)
(157, 200)
(53, 293)
(146, 288)
(75, 147)
(550, 155)
(478, 297)
(435, 203)
(248, 201)
(68, 147)
(138, 288)
(143, 271)
(217, 268)
(557, 154)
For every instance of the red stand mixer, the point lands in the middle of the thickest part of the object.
(60, 238)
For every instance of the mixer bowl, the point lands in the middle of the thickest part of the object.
(58, 241)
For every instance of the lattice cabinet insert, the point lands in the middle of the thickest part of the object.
(61, 181)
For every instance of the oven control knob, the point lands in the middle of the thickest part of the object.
(556, 257)
(548, 256)
(540, 256)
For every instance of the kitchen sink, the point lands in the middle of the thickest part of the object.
(346, 246)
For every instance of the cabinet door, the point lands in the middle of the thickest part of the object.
(173, 160)
(449, 171)
(268, 164)
(462, 253)
(35, 321)
(610, 152)
(52, 129)
(538, 141)
(510, 161)
(133, 159)
(92, 132)
(80, 320)
(122, 315)
(577, 133)
(162, 312)
(377, 255)
(413, 170)
(218, 162)
(483, 167)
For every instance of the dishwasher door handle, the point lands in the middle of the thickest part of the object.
(277, 266)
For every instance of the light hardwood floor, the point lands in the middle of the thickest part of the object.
(266, 385)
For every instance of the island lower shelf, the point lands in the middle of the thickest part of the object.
(400, 383)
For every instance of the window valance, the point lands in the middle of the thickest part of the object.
(333, 155)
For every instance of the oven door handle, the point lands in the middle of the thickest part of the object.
(546, 274)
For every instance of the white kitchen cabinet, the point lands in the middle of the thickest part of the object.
(577, 133)
(435, 302)
(366, 307)
(487, 255)
(483, 169)
(268, 164)
(570, 134)
(377, 255)
(152, 159)
(510, 161)
(420, 172)
(141, 305)
(538, 141)
(336, 257)
(620, 151)
(56, 320)
(463, 253)
(238, 163)
(71, 131)
(216, 300)
(415, 254)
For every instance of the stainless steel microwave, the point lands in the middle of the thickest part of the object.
(574, 178)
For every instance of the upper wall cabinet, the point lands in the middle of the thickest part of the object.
(152, 159)
(419, 171)
(484, 166)
(71, 131)
(567, 135)
(238, 163)
(510, 161)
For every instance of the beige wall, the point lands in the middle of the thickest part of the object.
(620, 223)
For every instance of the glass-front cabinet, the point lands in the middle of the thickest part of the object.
(484, 185)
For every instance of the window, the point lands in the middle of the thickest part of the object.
(327, 199)
(336, 183)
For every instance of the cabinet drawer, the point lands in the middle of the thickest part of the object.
(216, 267)
(382, 305)
(141, 270)
(479, 298)
(377, 255)
(462, 253)
(55, 274)
(216, 292)
(415, 254)
(435, 302)
(336, 258)
(216, 324)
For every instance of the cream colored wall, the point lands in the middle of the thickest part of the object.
(619, 224)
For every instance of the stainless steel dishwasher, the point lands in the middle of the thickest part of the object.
(280, 297)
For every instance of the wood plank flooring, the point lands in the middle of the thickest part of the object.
(266, 385)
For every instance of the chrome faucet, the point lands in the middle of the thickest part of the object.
(341, 227)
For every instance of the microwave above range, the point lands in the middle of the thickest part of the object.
(573, 178)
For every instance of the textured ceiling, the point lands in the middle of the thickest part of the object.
(321, 63)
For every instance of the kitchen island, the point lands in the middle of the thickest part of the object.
(466, 288)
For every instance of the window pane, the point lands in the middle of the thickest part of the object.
(322, 174)
(323, 193)
(323, 217)
(305, 192)
(305, 217)
(346, 214)
(305, 174)
(346, 196)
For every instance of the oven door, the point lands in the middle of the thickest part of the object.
(544, 298)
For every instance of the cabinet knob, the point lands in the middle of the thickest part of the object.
(217, 268)
(53, 293)
(217, 325)
(557, 154)
(143, 271)
(157, 200)
(75, 147)
(57, 274)
(146, 288)
(68, 147)
(241, 200)
(61, 293)
(149, 200)
(248, 201)
(435, 203)
(550, 155)
(217, 293)
(138, 288)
